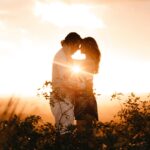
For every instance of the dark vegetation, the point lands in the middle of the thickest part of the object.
(130, 131)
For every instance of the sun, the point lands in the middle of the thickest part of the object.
(76, 69)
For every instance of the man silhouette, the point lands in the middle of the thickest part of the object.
(61, 105)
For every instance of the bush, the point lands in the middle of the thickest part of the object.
(131, 131)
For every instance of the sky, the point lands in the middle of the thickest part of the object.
(31, 31)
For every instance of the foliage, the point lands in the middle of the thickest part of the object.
(134, 123)
(130, 131)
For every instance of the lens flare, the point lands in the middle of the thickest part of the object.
(76, 69)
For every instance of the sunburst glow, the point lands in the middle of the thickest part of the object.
(31, 32)
(76, 69)
(78, 55)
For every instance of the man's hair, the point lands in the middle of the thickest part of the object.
(71, 38)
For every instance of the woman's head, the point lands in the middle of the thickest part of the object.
(90, 48)
(73, 40)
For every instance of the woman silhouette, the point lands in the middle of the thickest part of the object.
(85, 105)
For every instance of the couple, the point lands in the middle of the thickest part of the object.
(72, 94)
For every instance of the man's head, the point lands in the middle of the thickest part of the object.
(73, 41)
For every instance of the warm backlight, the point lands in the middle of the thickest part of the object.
(76, 69)
(78, 55)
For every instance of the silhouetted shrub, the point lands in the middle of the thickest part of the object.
(130, 131)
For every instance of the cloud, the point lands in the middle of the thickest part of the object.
(2, 25)
(12, 5)
(66, 15)
(16, 11)
(102, 1)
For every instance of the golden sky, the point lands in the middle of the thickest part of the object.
(31, 31)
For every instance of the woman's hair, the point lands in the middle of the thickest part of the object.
(91, 49)
(71, 39)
